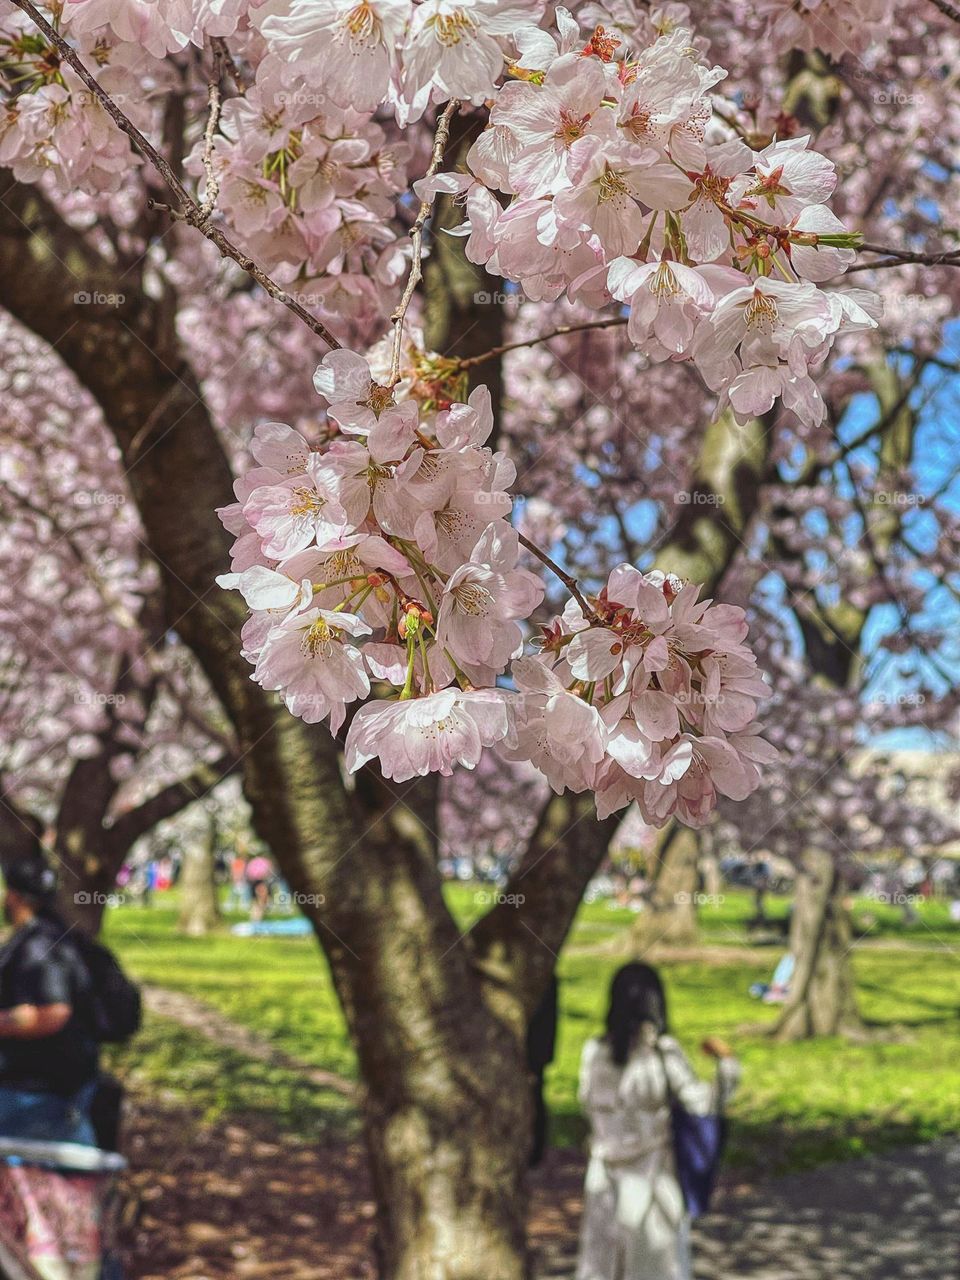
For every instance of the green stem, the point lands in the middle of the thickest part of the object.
(407, 691)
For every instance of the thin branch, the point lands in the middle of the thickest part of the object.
(213, 123)
(567, 579)
(416, 239)
(470, 361)
(899, 257)
(190, 211)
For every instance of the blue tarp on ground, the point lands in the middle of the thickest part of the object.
(290, 927)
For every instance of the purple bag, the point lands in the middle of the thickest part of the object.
(698, 1143)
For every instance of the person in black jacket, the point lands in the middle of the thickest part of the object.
(48, 1049)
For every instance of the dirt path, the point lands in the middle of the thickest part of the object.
(880, 1218)
(205, 1020)
(887, 1217)
(233, 1201)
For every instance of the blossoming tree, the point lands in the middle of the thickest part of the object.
(106, 728)
(207, 203)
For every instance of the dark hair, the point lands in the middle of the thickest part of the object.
(636, 997)
(33, 879)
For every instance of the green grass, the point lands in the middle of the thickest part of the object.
(799, 1105)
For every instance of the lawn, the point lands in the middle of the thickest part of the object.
(799, 1105)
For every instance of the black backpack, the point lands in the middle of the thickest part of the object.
(115, 1003)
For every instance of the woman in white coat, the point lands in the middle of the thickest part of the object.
(635, 1225)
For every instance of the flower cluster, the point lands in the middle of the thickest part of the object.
(605, 173)
(386, 554)
(386, 558)
(365, 52)
(311, 187)
(624, 185)
(651, 699)
(52, 124)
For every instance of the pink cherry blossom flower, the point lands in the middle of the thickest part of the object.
(308, 658)
(483, 598)
(612, 189)
(280, 447)
(787, 176)
(667, 301)
(555, 729)
(546, 123)
(348, 45)
(361, 406)
(295, 513)
(417, 736)
(453, 49)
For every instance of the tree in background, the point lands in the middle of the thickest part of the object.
(107, 726)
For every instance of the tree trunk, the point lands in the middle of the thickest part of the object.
(670, 916)
(199, 903)
(448, 1144)
(822, 1000)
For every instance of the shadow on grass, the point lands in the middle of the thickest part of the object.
(215, 1083)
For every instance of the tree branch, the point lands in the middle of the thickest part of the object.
(416, 239)
(567, 579)
(129, 826)
(470, 361)
(901, 257)
(214, 101)
(945, 7)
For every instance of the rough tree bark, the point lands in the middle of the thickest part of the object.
(823, 1000)
(199, 899)
(437, 1022)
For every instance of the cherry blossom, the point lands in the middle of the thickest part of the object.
(310, 659)
(427, 735)
(616, 167)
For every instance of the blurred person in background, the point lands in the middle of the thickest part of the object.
(49, 1053)
(259, 876)
(635, 1222)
